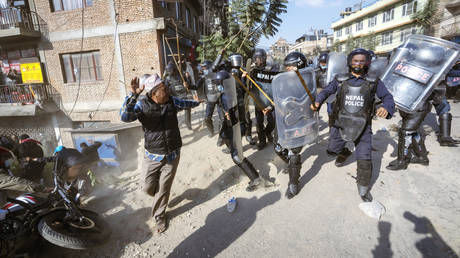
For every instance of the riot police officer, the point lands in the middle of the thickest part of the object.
(179, 88)
(207, 82)
(231, 130)
(293, 61)
(263, 77)
(352, 115)
(321, 71)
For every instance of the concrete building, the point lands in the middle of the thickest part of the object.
(311, 44)
(89, 51)
(449, 24)
(279, 49)
(382, 25)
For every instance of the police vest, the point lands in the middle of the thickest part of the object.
(354, 107)
(176, 86)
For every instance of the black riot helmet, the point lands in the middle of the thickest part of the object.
(322, 58)
(206, 64)
(260, 54)
(360, 68)
(296, 59)
(220, 77)
(170, 68)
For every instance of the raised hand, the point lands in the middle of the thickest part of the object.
(135, 88)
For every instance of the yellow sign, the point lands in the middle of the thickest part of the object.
(31, 73)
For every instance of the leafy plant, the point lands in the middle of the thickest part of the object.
(243, 23)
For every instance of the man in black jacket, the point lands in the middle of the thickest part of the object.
(157, 112)
(27, 151)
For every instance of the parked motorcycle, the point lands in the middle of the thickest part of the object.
(57, 217)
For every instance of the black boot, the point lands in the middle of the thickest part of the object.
(209, 125)
(363, 179)
(294, 167)
(281, 152)
(342, 157)
(403, 153)
(445, 123)
(250, 172)
(420, 153)
(250, 140)
(188, 119)
(364, 193)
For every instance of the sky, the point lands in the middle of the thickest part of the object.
(304, 15)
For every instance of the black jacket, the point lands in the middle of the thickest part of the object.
(161, 129)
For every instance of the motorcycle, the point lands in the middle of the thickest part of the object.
(57, 218)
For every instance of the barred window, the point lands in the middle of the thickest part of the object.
(339, 32)
(387, 38)
(347, 30)
(372, 21)
(359, 25)
(409, 8)
(65, 5)
(388, 15)
(405, 33)
(91, 68)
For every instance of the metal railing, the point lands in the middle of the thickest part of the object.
(19, 18)
(26, 93)
(364, 5)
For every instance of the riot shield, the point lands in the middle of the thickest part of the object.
(295, 121)
(231, 101)
(211, 87)
(377, 67)
(336, 64)
(264, 80)
(417, 68)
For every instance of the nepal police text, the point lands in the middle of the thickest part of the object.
(354, 100)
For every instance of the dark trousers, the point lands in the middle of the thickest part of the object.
(262, 129)
(210, 106)
(363, 150)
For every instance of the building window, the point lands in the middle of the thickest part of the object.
(405, 33)
(178, 11)
(388, 15)
(339, 48)
(339, 33)
(387, 38)
(347, 30)
(359, 25)
(164, 4)
(91, 69)
(409, 8)
(187, 17)
(372, 21)
(194, 24)
(65, 5)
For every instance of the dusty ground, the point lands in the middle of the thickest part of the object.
(422, 203)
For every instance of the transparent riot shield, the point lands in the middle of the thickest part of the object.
(336, 64)
(295, 121)
(232, 103)
(416, 68)
(377, 67)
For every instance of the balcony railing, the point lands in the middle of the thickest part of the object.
(18, 18)
(26, 93)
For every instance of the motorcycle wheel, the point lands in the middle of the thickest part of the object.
(92, 232)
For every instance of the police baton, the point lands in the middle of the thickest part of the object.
(258, 87)
(304, 84)
(256, 102)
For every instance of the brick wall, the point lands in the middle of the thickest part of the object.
(134, 11)
(96, 15)
(91, 93)
(140, 53)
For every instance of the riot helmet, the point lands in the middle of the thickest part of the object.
(322, 61)
(206, 66)
(220, 77)
(236, 60)
(259, 57)
(361, 67)
(295, 59)
(170, 68)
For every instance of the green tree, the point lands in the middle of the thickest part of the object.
(243, 23)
